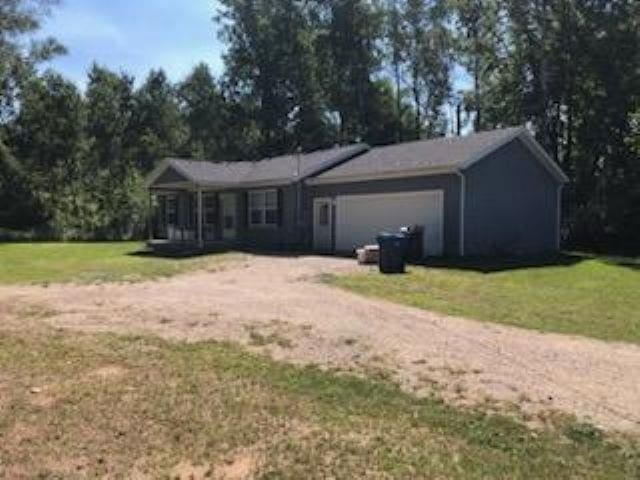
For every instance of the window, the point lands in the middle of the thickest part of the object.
(263, 207)
(191, 211)
(324, 215)
(171, 206)
(209, 202)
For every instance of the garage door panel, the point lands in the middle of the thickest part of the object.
(359, 218)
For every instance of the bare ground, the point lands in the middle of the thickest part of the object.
(277, 304)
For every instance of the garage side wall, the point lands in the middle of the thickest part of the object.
(511, 204)
(449, 184)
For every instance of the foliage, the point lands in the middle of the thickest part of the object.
(48, 139)
(18, 59)
(156, 122)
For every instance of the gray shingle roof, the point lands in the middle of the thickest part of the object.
(276, 169)
(443, 153)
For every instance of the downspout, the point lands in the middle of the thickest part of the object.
(559, 218)
(298, 186)
(463, 194)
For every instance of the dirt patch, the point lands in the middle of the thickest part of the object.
(276, 305)
(108, 372)
(42, 398)
(188, 471)
(22, 432)
(240, 466)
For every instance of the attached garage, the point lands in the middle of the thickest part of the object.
(493, 193)
(359, 218)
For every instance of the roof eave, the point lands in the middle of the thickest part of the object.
(530, 142)
(544, 157)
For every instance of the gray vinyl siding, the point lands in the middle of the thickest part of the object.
(511, 204)
(280, 237)
(449, 184)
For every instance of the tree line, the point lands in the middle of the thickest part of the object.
(315, 73)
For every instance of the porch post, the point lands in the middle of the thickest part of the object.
(200, 236)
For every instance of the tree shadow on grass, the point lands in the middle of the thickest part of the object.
(494, 265)
(179, 253)
(626, 262)
(184, 251)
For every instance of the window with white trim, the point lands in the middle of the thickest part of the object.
(263, 208)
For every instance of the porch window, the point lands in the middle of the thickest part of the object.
(171, 205)
(209, 202)
(263, 208)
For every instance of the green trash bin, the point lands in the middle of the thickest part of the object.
(393, 252)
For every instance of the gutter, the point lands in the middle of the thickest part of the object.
(386, 175)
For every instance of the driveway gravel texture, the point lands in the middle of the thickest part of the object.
(279, 305)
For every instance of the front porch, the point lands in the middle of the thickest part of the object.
(191, 219)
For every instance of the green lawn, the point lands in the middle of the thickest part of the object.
(596, 297)
(33, 262)
(81, 405)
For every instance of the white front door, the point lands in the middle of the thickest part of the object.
(228, 211)
(322, 224)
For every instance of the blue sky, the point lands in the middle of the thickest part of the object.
(135, 36)
(138, 35)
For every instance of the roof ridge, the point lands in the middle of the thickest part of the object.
(267, 159)
(451, 138)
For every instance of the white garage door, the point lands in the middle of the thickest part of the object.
(359, 218)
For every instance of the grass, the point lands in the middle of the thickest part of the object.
(592, 296)
(33, 262)
(80, 405)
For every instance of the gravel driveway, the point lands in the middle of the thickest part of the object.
(277, 304)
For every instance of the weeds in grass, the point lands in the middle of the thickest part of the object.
(261, 340)
(191, 405)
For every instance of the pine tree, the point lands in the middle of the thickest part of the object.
(157, 125)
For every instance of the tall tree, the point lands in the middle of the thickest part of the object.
(205, 111)
(19, 56)
(271, 67)
(117, 185)
(19, 53)
(396, 47)
(479, 44)
(110, 108)
(351, 56)
(49, 141)
(157, 124)
(428, 66)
